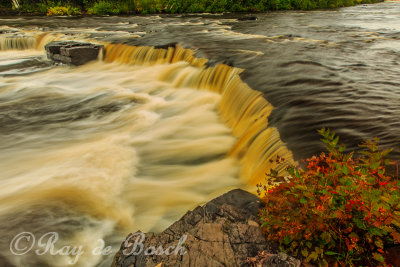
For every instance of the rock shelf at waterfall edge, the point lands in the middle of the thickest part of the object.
(223, 232)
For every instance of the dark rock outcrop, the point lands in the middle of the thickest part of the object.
(73, 53)
(247, 18)
(223, 232)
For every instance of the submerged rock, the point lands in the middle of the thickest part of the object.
(73, 53)
(223, 232)
(247, 18)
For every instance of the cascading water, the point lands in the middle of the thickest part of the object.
(135, 140)
(244, 110)
(129, 143)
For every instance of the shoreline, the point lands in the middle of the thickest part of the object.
(6, 11)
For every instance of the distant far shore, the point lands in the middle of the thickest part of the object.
(141, 7)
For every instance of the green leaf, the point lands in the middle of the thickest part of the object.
(375, 165)
(313, 256)
(303, 200)
(335, 141)
(319, 250)
(342, 147)
(378, 257)
(302, 187)
(331, 253)
(397, 223)
(323, 263)
(375, 231)
(304, 252)
(345, 170)
(326, 237)
(379, 243)
(386, 152)
(360, 224)
(326, 141)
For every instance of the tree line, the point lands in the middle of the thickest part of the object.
(104, 7)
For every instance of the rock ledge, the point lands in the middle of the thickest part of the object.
(72, 53)
(223, 232)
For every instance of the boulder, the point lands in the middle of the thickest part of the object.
(73, 53)
(223, 232)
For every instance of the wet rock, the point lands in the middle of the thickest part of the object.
(394, 256)
(223, 232)
(73, 53)
(166, 46)
(247, 18)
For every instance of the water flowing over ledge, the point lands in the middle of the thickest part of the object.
(336, 69)
(242, 109)
(129, 142)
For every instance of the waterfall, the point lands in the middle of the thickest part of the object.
(241, 108)
(129, 142)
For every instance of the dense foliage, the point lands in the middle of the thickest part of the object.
(62, 10)
(103, 7)
(342, 209)
(5, 3)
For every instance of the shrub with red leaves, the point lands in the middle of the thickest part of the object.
(341, 210)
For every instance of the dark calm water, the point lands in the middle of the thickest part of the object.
(90, 150)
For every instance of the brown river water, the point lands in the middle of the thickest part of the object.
(179, 109)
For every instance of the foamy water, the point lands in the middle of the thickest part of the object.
(101, 150)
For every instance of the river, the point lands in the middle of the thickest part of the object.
(135, 140)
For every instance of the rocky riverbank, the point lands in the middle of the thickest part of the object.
(223, 232)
